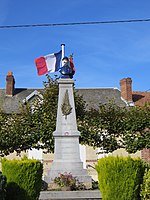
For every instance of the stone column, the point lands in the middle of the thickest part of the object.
(66, 153)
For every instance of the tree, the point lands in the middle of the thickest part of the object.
(45, 113)
(36, 122)
(137, 129)
(104, 127)
(17, 132)
(110, 127)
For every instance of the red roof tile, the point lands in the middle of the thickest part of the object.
(140, 98)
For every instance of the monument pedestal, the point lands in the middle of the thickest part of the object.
(67, 153)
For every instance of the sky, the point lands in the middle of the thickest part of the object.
(103, 53)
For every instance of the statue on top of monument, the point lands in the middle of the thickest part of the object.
(67, 70)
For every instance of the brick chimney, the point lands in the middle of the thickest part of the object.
(126, 89)
(10, 84)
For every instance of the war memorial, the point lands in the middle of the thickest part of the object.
(66, 137)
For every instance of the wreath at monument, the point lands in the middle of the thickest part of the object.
(66, 107)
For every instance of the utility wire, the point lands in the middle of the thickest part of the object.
(76, 23)
(147, 90)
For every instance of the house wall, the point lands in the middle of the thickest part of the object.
(92, 157)
(145, 155)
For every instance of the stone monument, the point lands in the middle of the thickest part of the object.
(67, 153)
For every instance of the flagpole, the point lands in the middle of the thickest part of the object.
(63, 50)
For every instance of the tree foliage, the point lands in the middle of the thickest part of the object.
(17, 132)
(110, 127)
(103, 127)
(34, 126)
(137, 129)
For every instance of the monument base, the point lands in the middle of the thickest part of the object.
(64, 167)
(67, 160)
(71, 195)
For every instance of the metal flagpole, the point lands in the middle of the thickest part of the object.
(63, 50)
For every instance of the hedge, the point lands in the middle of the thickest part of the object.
(120, 178)
(145, 187)
(24, 179)
(2, 186)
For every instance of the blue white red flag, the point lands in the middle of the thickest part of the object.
(48, 63)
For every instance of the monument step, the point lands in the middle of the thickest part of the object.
(71, 195)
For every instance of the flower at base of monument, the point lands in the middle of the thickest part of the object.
(67, 180)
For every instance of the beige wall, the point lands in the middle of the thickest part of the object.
(91, 159)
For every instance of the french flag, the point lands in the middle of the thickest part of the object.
(72, 65)
(48, 63)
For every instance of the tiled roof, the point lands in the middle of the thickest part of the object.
(11, 104)
(93, 97)
(140, 98)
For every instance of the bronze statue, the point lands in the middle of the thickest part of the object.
(67, 70)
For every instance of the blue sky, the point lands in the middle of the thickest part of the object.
(103, 54)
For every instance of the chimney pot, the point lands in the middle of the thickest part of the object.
(10, 73)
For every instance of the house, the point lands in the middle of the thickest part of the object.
(11, 98)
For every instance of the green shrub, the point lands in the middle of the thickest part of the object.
(2, 186)
(145, 188)
(120, 178)
(24, 178)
